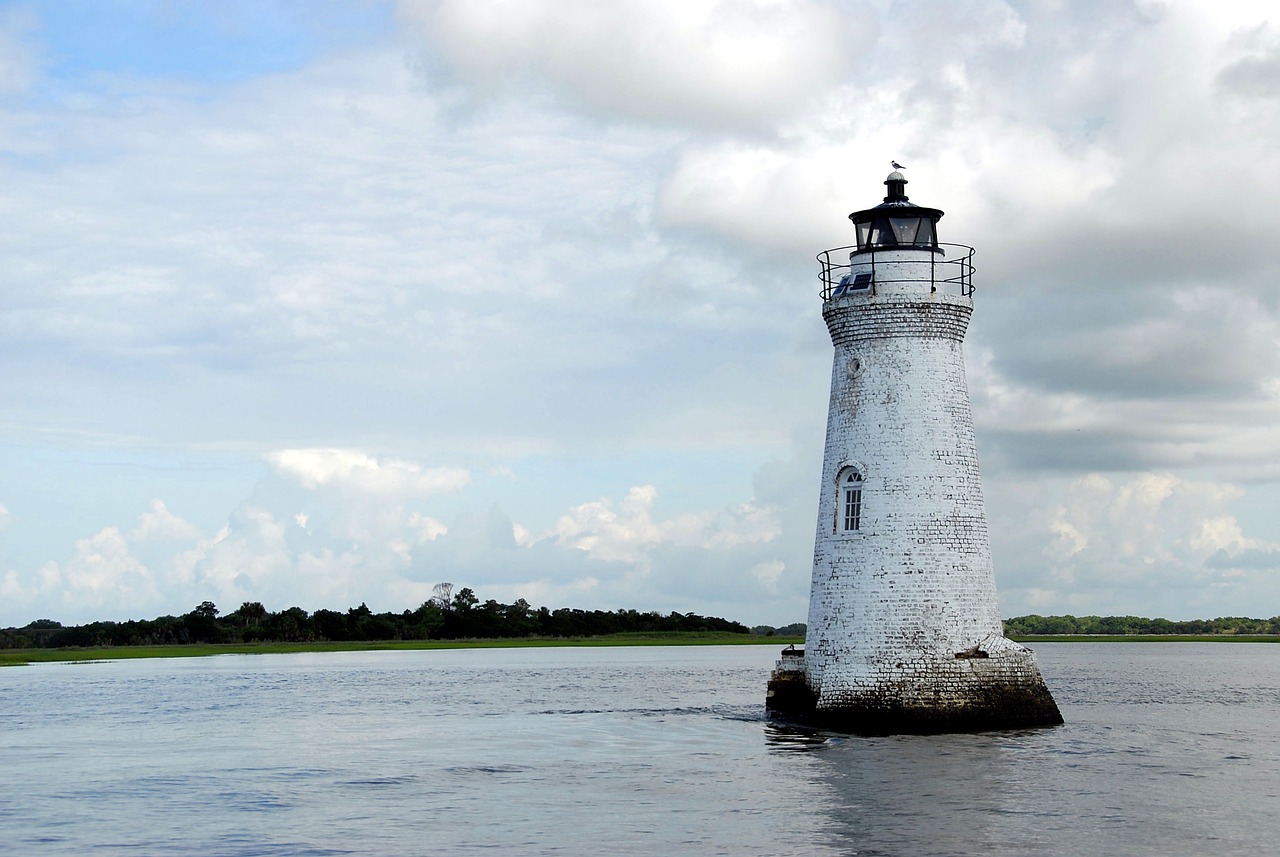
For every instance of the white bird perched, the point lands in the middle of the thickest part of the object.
(896, 165)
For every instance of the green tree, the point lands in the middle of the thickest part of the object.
(251, 613)
(201, 624)
(465, 599)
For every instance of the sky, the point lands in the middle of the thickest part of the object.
(318, 304)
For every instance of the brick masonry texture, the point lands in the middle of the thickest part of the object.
(894, 602)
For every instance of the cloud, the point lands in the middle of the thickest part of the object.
(114, 573)
(427, 528)
(1255, 70)
(341, 235)
(18, 54)
(546, 592)
(564, 253)
(160, 524)
(1260, 559)
(104, 564)
(769, 573)
(1203, 342)
(247, 559)
(695, 62)
(826, 167)
(354, 470)
(630, 532)
(109, 572)
(333, 528)
(1152, 544)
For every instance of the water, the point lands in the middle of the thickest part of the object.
(1168, 749)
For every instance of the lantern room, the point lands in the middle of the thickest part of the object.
(896, 223)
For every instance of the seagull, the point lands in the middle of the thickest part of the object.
(896, 165)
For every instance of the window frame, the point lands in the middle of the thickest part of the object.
(850, 486)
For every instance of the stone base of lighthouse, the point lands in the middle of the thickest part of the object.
(994, 685)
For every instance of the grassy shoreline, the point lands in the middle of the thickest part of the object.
(20, 657)
(1147, 638)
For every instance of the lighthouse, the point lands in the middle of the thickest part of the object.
(904, 631)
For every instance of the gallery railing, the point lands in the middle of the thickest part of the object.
(886, 265)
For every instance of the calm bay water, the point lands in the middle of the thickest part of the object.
(1168, 749)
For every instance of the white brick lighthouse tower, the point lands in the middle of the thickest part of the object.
(904, 631)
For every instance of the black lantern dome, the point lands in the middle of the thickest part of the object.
(897, 223)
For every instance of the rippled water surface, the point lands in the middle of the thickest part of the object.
(1168, 749)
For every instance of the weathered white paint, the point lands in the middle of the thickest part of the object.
(894, 602)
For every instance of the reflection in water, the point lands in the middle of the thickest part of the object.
(783, 736)
(912, 794)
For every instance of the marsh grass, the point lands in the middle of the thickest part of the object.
(1146, 638)
(18, 657)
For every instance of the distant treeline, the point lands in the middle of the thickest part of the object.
(446, 616)
(796, 629)
(1134, 625)
(460, 616)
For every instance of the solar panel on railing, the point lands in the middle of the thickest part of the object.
(852, 283)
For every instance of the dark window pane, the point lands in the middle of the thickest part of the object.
(882, 234)
(904, 228)
(925, 236)
(852, 509)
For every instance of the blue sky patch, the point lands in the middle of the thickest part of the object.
(202, 42)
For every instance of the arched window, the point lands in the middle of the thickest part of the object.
(850, 494)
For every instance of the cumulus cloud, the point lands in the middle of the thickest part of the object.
(110, 571)
(159, 524)
(344, 468)
(1151, 544)
(694, 62)
(333, 528)
(103, 563)
(354, 538)
(629, 532)
(249, 557)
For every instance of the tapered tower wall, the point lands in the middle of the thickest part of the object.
(917, 572)
(904, 625)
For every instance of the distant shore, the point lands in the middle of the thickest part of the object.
(1146, 638)
(19, 657)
